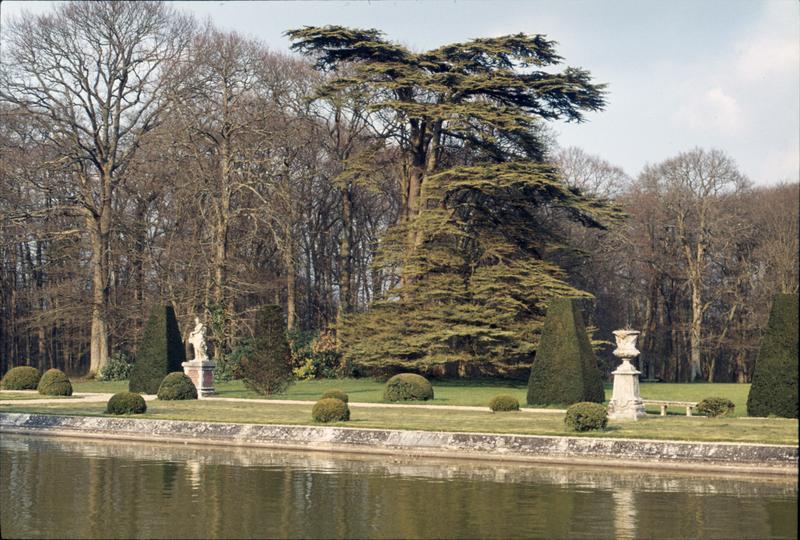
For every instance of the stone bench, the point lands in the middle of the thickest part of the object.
(665, 403)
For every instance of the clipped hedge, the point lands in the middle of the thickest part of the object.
(126, 403)
(504, 403)
(267, 368)
(564, 370)
(774, 387)
(177, 386)
(160, 352)
(715, 406)
(586, 416)
(330, 410)
(335, 393)
(408, 387)
(54, 383)
(21, 378)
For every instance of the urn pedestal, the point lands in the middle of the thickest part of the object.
(626, 403)
(202, 374)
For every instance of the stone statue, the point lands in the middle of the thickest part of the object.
(197, 338)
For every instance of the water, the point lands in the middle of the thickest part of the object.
(63, 488)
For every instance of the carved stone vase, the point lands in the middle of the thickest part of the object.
(626, 403)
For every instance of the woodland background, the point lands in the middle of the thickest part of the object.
(206, 178)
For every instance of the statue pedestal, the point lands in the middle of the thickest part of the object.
(626, 404)
(202, 374)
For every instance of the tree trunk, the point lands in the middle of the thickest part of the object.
(99, 238)
(288, 260)
(345, 257)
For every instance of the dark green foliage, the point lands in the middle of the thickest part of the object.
(336, 394)
(54, 383)
(268, 368)
(774, 386)
(586, 416)
(565, 369)
(715, 406)
(116, 369)
(330, 410)
(21, 378)
(473, 245)
(126, 403)
(408, 387)
(177, 386)
(504, 403)
(160, 352)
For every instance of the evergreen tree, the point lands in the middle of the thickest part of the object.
(268, 369)
(565, 369)
(471, 249)
(774, 386)
(160, 352)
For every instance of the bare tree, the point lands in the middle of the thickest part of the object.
(693, 185)
(91, 73)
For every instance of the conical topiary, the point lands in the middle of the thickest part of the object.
(565, 369)
(160, 352)
(774, 385)
(268, 369)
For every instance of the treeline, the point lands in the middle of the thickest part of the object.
(369, 190)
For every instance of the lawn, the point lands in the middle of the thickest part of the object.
(763, 430)
(457, 392)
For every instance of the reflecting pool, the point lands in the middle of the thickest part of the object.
(68, 488)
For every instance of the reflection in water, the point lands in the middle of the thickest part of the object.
(61, 488)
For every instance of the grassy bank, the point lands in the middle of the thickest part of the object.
(475, 393)
(766, 430)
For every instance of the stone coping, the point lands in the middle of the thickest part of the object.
(626, 453)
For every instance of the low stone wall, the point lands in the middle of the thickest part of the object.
(751, 458)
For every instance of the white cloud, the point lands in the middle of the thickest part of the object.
(712, 111)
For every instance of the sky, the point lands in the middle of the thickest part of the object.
(681, 74)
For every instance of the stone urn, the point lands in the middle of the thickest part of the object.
(626, 403)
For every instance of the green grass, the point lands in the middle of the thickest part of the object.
(766, 430)
(457, 392)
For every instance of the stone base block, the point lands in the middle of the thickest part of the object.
(202, 375)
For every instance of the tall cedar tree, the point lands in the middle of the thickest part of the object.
(774, 388)
(268, 369)
(470, 248)
(565, 369)
(160, 352)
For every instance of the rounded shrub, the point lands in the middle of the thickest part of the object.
(336, 394)
(177, 386)
(407, 387)
(126, 403)
(715, 406)
(21, 378)
(330, 410)
(504, 403)
(586, 416)
(54, 383)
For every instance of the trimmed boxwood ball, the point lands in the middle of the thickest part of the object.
(408, 387)
(336, 394)
(21, 378)
(715, 406)
(586, 416)
(330, 410)
(177, 386)
(54, 383)
(126, 403)
(504, 403)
